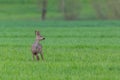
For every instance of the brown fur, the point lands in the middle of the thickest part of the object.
(36, 47)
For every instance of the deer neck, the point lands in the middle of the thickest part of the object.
(36, 41)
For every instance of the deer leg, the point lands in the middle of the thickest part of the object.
(37, 57)
(33, 57)
(42, 55)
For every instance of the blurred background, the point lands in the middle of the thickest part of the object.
(59, 9)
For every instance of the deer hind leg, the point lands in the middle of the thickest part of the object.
(41, 53)
(33, 57)
(37, 57)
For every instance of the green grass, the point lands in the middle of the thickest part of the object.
(73, 50)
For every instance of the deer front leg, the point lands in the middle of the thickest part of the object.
(37, 57)
(41, 53)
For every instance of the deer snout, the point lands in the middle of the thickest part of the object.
(43, 38)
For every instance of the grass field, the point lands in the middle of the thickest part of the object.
(73, 50)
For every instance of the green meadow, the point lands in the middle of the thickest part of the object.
(73, 50)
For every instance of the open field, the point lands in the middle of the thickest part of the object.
(73, 50)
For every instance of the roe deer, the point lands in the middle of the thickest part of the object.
(36, 47)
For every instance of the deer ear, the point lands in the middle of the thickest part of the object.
(37, 32)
